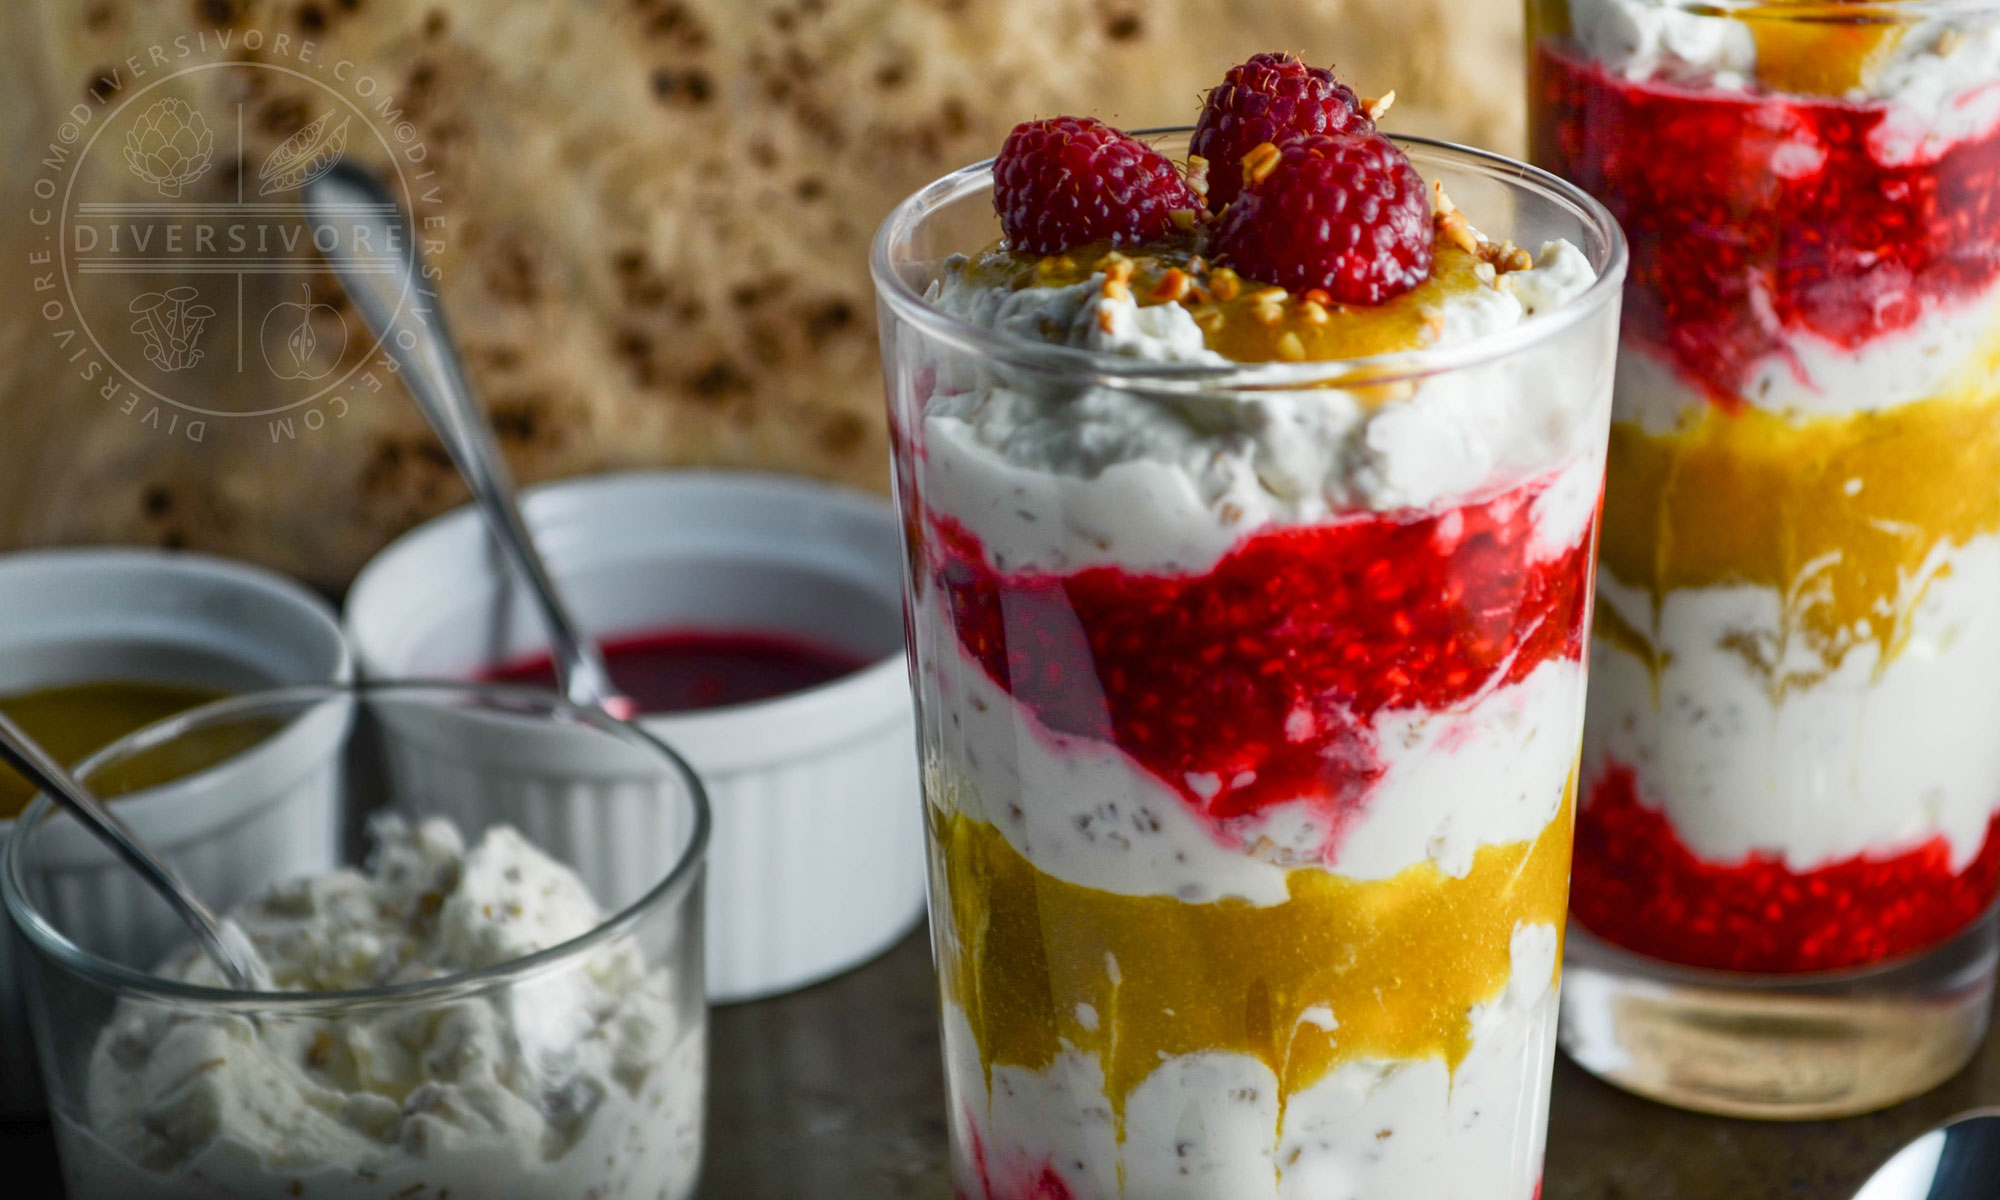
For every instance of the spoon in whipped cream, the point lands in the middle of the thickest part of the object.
(224, 941)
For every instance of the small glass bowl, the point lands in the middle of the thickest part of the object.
(576, 1070)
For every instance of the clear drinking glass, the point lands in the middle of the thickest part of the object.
(575, 1071)
(1249, 813)
(1786, 851)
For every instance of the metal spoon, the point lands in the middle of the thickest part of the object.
(377, 260)
(1959, 1160)
(227, 945)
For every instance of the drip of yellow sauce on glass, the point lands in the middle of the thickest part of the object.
(76, 720)
(1344, 969)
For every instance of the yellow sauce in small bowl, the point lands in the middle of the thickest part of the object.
(73, 721)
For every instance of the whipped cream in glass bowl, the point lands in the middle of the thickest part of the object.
(458, 1010)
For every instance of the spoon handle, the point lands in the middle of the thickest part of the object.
(406, 315)
(226, 946)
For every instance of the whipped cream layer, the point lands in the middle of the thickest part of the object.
(1875, 759)
(1060, 478)
(1490, 772)
(1948, 350)
(1209, 1126)
(577, 1080)
(1941, 72)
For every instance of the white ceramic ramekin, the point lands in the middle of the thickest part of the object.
(816, 860)
(75, 616)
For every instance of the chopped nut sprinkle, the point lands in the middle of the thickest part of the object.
(1451, 223)
(1183, 218)
(1314, 312)
(1197, 176)
(1209, 319)
(1270, 295)
(1117, 289)
(1949, 42)
(1118, 268)
(1290, 348)
(1225, 283)
(1379, 106)
(1268, 314)
(1173, 285)
(1509, 257)
(1259, 163)
(1484, 273)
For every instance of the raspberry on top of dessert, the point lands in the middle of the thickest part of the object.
(1308, 236)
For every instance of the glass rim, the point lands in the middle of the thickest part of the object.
(1111, 370)
(501, 699)
(1823, 12)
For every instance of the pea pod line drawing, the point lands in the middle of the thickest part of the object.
(304, 156)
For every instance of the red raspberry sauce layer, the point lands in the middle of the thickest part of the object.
(1636, 884)
(1257, 683)
(1756, 217)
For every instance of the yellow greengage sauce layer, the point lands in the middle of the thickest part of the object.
(1843, 516)
(1248, 322)
(1345, 969)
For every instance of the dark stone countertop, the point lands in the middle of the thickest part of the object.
(835, 1093)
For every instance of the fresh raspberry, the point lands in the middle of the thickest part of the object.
(1271, 98)
(1069, 181)
(1346, 213)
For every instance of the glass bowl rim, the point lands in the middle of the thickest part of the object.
(671, 890)
(1111, 370)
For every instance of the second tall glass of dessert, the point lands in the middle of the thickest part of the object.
(1250, 497)
(1786, 849)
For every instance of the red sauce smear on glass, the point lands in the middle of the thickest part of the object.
(1637, 885)
(1257, 683)
(1046, 1185)
(684, 671)
(1756, 217)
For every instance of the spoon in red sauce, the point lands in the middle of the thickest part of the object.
(691, 670)
(408, 320)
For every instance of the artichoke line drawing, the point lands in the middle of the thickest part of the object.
(170, 147)
(304, 156)
(171, 323)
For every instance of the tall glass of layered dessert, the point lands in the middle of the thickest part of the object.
(1786, 846)
(1250, 491)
